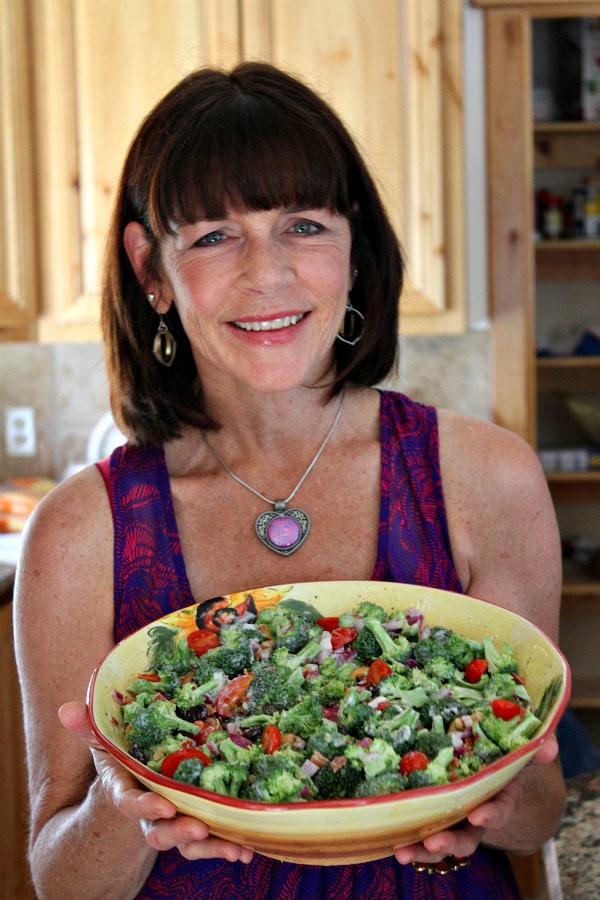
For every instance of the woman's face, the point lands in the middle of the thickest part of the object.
(261, 294)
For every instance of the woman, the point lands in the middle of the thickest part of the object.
(250, 305)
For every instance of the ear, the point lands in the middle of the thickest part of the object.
(138, 249)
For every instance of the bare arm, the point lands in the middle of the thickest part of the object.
(506, 549)
(94, 831)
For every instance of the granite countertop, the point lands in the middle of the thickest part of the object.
(577, 843)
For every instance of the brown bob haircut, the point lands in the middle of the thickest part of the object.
(253, 138)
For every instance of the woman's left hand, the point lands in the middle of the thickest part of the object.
(497, 813)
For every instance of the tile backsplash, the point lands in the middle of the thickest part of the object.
(67, 387)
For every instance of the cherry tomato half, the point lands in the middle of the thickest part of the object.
(342, 636)
(413, 761)
(328, 623)
(202, 640)
(172, 760)
(377, 670)
(506, 709)
(231, 697)
(271, 739)
(475, 669)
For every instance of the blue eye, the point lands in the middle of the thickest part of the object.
(215, 237)
(307, 227)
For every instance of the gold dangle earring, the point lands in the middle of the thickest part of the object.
(353, 326)
(164, 345)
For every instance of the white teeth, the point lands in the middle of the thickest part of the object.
(270, 324)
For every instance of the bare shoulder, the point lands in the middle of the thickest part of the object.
(502, 523)
(67, 542)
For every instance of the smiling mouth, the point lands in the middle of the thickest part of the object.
(270, 324)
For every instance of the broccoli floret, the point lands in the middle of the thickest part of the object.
(512, 734)
(468, 764)
(448, 708)
(223, 777)
(274, 779)
(355, 714)
(502, 684)
(284, 657)
(483, 747)
(149, 725)
(368, 610)
(437, 772)
(287, 628)
(402, 688)
(384, 783)
(393, 649)
(234, 753)
(337, 784)
(441, 669)
(234, 654)
(447, 644)
(327, 741)
(398, 728)
(303, 718)
(189, 771)
(468, 695)
(168, 649)
(186, 696)
(330, 692)
(431, 742)
(377, 757)
(503, 660)
(273, 689)
(366, 646)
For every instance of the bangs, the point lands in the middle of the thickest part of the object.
(248, 154)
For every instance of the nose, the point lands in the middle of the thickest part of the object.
(265, 264)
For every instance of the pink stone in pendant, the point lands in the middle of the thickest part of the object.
(283, 531)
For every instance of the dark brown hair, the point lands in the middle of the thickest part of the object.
(258, 139)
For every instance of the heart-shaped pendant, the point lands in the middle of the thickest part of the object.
(282, 530)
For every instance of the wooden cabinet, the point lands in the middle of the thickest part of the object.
(14, 871)
(18, 222)
(524, 272)
(94, 68)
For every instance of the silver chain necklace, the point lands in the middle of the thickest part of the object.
(280, 529)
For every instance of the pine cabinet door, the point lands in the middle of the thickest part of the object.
(393, 70)
(100, 65)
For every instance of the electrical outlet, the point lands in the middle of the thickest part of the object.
(19, 431)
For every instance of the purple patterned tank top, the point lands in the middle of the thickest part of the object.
(413, 547)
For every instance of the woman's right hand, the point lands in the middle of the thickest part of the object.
(161, 825)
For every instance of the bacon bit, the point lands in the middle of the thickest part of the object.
(187, 677)
(318, 759)
(338, 762)
(359, 672)
(264, 629)
(288, 738)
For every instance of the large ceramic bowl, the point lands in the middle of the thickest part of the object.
(341, 831)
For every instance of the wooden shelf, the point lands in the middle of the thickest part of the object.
(567, 260)
(585, 693)
(568, 374)
(574, 487)
(576, 588)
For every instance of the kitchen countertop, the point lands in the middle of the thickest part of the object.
(577, 843)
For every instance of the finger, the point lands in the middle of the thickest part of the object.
(177, 832)
(499, 811)
(214, 847)
(548, 751)
(459, 842)
(73, 717)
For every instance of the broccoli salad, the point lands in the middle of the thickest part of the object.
(285, 705)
